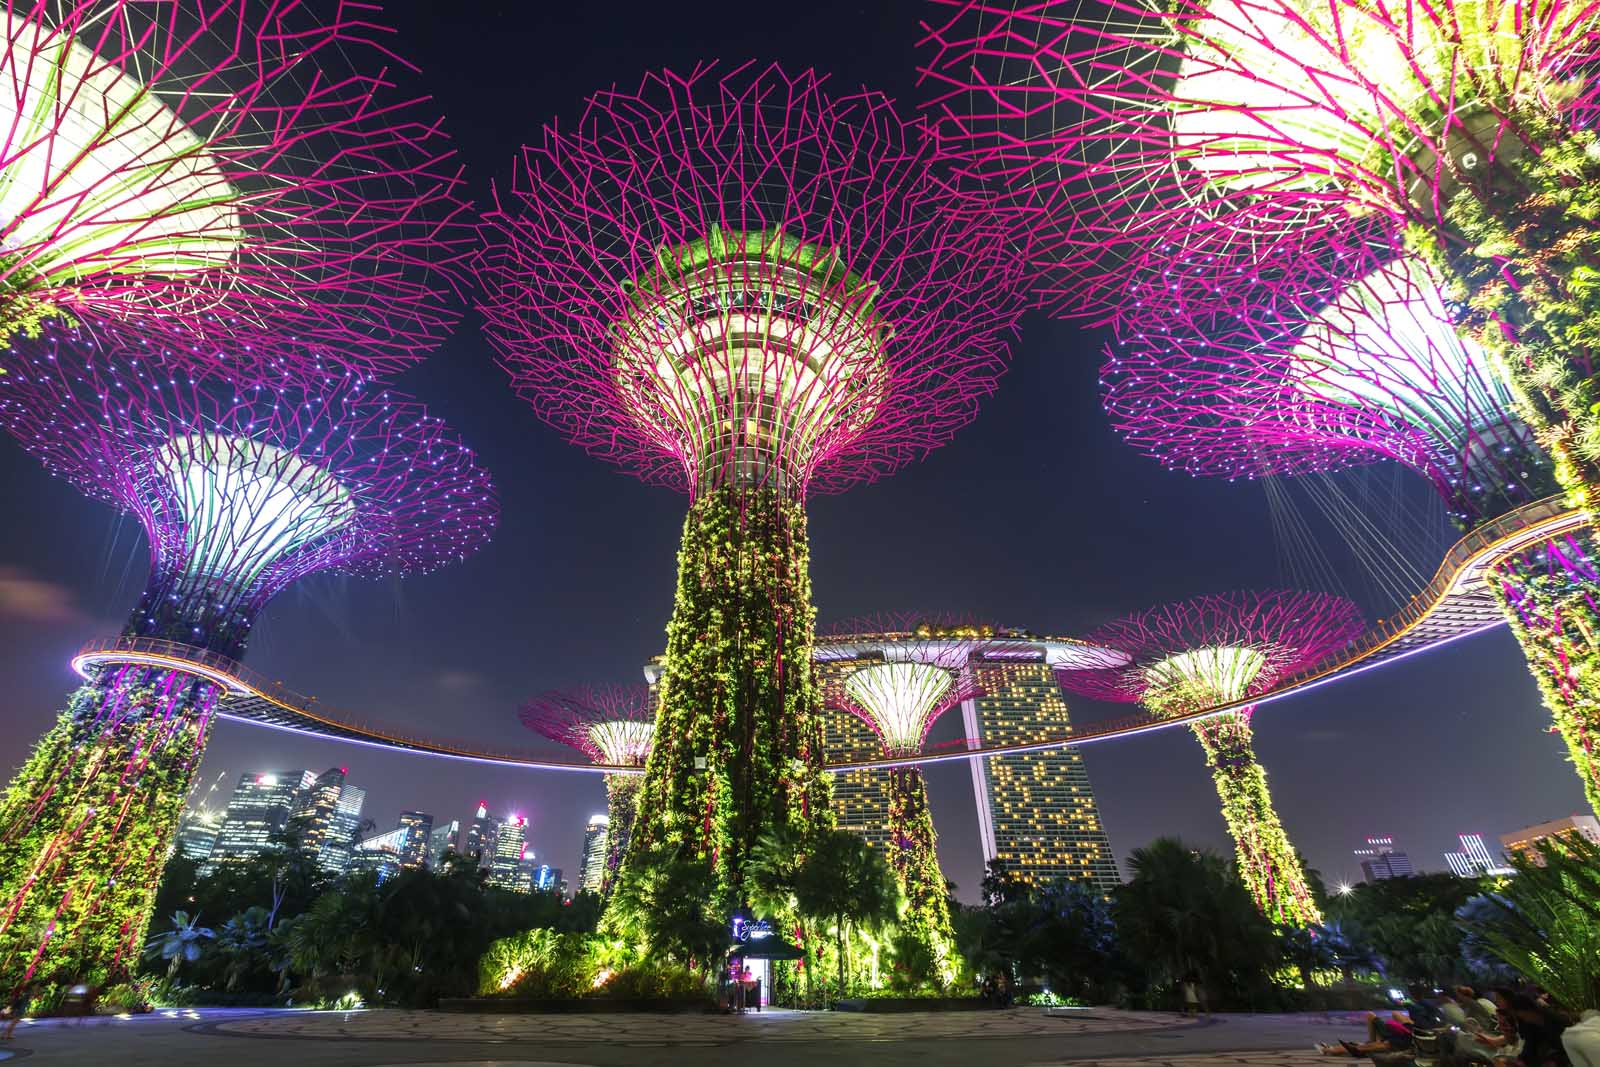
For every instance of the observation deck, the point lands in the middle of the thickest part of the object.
(1455, 604)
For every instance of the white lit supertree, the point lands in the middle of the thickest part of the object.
(241, 488)
(612, 725)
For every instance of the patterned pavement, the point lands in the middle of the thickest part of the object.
(1286, 1058)
(1024, 1037)
(641, 1030)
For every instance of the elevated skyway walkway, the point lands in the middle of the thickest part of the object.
(1455, 604)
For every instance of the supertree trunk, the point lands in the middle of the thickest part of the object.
(622, 808)
(86, 825)
(1549, 599)
(739, 726)
(916, 864)
(1267, 862)
(1521, 252)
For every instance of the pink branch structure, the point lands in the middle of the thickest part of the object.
(923, 669)
(241, 488)
(1212, 127)
(610, 724)
(1343, 352)
(1219, 650)
(224, 173)
(747, 278)
(747, 287)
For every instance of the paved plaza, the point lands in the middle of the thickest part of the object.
(1021, 1036)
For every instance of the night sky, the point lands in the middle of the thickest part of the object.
(1036, 516)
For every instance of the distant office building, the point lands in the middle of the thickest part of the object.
(592, 870)
(1461, 865)
(1380, 860)
(1036, 812)
(418, 825)
(547, 879)
(442, 841)
(260, 808)
(1529, 840)
(384, 854)
(329, 818)
(506, 869)
(197, 833)
(482, 837)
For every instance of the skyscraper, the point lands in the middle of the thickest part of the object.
(329, 817)
(1036, 812)
(1379, 860)
(197, 833)
(383, 853)
(482, 835)
(506, 869)
(418, 825)
(547, 879)
(443, 840)
(592, 870)
(260, 807)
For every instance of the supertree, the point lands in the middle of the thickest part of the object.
(241, 489)
(1165, 139)
(920, 667)
(1219, 650)
(1343, 352)
(223, 173)
(747, 288)
(613, 725)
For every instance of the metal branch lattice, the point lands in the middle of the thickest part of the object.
(243, 488)
(745, 279)
(1341, 353)
(610, 724)
(923, 669)
(1192, 135)
(1215, 649)
(223, 173)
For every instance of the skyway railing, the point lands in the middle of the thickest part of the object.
(1455, 603)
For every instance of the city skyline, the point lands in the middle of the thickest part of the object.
(570, 603)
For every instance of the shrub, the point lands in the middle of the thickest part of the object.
(1047, 999)
(135, 998)
(538, 963)
(654, 982)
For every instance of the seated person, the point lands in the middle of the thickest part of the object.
(1489, 1046)
(1383, 1035)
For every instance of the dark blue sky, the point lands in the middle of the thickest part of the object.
(1035, 516)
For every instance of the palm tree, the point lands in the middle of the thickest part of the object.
(669, 903)
(241, 941)
(1545, 922)
(843, 880)
(180, 942)
(772, 878)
